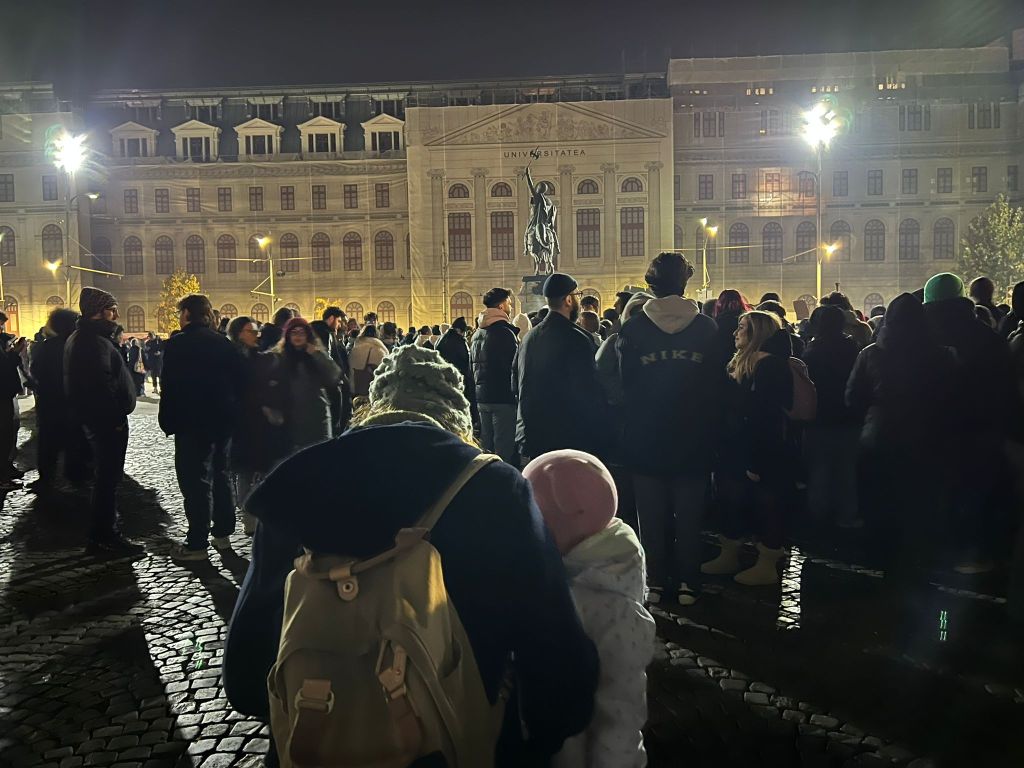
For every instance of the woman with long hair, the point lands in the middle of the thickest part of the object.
(727, 310)
(306, 372)
(755, 477)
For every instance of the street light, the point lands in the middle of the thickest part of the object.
(264, 242)
(69, 155)
(53, 266)
(819, 128)
(709, 232)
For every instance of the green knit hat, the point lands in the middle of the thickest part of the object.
(942, 286)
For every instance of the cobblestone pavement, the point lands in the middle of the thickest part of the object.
(118, 663)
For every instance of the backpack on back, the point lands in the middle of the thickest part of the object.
(805, 394)
(374, 668)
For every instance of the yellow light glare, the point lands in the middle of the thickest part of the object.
(704, 222)
(93, 195)
(819, 126)
(53, 266)
(831, 248)
(263, 242)
(712, 231)
(69, 152)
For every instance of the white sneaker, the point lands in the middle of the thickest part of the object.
(221, 543)
(180, 553)
(687, 596)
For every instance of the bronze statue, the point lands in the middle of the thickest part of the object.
(541, 239)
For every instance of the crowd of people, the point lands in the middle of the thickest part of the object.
(622, 435)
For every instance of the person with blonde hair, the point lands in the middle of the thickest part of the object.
(755, 477)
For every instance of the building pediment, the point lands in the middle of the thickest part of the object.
(194, 127)
(258, 125)
(320, 124)
(134, 129)
(383, 122)
(539, 123)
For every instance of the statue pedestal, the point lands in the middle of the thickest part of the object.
(530, 297)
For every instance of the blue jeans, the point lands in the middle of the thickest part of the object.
(498, 430)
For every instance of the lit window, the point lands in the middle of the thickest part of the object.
(631, 236)
(588, 233)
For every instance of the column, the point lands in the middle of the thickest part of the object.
(480, 216)
(609, 224)
(567, 226)
(654, 207)
(522, 218)
(438, 236)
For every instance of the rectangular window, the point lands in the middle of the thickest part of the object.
(223, 198)
(502, 236)
(710, 123)
(162, 200)
(255, 198)
(319, 197)
(351, 195)
(840, 183)
(914, 117)
(49, 187)
(287, 198)
(677, 187)
(721, 125)
(6, 187)
(192, 200)
(875, 184)
(134, 147)
(739, 186)
(131, 201)
(970, 115)
(460, 237)
(588, 233)
(382, 195)
(631, 234)
(1012, 178)
(908, 184)
(772, 184)
(696, 125)
(984, 115)
(944, 181)
(259, 145)
(705, 187)
(979, 178)
(322, 142)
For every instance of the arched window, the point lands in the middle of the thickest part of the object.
(809, 300)
(501, 189)
(164, 251)
(739, 243)
(226, 255)
(678, 242)
(135, 319)
(320, 250)
(462, 306)
(871, 301)
(706, 246)
(632, 184)
(132, 256)
(53, 243)
(386, 312)
(944, 239)
(383, 251)
(101, 254)
(771, 243)
(806, 185)
(260, 313)
(587, 187)
(11, 310)
(229, 310)
(841, 235)
(910, 240)
(288, 252)
(195, 255)
(8, 248)
(874, 241)
(54, 302)
(458, 191)
(294, 308)
(258, 264)
(355, 311)
(806, 241)
(352, 252)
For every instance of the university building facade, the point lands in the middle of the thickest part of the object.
(409, 199)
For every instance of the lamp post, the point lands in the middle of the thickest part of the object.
(264, 242)
(3, 301)
(53, 266)
(818, 130)
(709, 232)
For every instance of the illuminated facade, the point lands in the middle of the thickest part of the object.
(408, 200)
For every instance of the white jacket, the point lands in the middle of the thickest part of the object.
(366, 351)
(608, 579)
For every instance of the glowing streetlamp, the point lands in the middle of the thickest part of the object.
(53, 266)
(264, 242)
(819, 128)
(709, 232)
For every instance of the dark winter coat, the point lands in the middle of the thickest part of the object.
(454, 348)
(491, 353)
(501, 569)
(99, 389)
(727, 323)
(304, 379)
(673, 382)
(561, 402)
(202, 378)
(134, 355)
(269, 336)
(10, 378)
(154, 356)
(830, 361)
(47, 370)
(257, 442)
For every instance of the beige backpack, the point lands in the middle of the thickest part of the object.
(374, 668)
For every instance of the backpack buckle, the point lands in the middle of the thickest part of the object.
(393, 678)
(315, 695)
(346, 582)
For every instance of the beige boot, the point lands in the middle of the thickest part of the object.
(764, 571)
(728, 560)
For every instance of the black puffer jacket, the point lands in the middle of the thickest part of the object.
(454, 349)
(491, 353)
(830, 360)
(99, 389)
(46, 367)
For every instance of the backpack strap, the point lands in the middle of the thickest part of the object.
(429, 520)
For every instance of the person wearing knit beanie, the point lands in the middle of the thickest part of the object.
(418, 380)
(942, 286)
(92, 301)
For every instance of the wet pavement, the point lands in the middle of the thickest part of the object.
(118, 663)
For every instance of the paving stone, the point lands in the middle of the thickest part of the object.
(794, 715)
(100, 758)
(756, 698)
(202, 746)
(219, 760)
(257, 746)
(230, 744)
(122, 742)
(824, 721)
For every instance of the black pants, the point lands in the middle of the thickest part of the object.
(109, 446)
(155, 376)
(8, 435)
(201, 465)
(56, 433)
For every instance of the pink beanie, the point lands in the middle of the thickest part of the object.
(571, 483)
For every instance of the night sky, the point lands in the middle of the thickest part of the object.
(84, 45)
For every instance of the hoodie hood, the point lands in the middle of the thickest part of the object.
(609, 561)
(672, 314)
(522, 322)
(491, 315)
